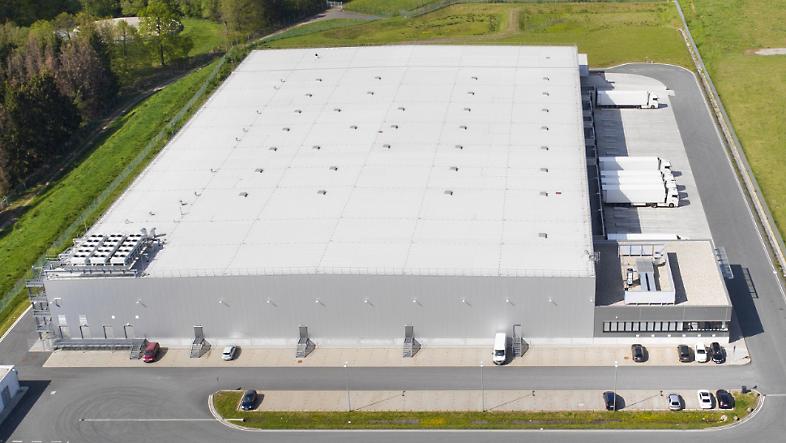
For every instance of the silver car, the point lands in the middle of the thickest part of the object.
(675, 402)
(229, 353)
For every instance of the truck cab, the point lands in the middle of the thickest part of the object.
(499, 356)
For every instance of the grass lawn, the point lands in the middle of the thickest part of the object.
(207, 35)
(610, 33)
(226, 403)
(384, 7)
(752, 87)
(55, 209)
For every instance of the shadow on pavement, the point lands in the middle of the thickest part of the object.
(742, 292)
(35, 388)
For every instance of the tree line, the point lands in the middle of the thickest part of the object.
(61, 67)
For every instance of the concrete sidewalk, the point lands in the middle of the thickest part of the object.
(389, 357)
(557, 400)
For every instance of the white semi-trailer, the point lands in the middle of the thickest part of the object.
(616, 163)
(641, 195)
(642, 237)
(637, 177)
(636, 180)
(614, 98)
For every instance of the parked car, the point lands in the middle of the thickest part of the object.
(249, 400)
(639, 353)
(151, 352)
(683, 352)
(705, 399)
(718, 354)
(675, 402)
(610, 399)
(701, 353)
(725, 399)
(229, 353)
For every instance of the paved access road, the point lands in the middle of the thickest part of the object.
(169, 405)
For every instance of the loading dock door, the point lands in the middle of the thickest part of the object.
(129, 331)
(64, 332)
(199, 333)
(108, 333)
(6, 396)
(84, 331)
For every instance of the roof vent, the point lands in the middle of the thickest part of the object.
(237, 139)
(394, 126)
(545, 128)
(317, 147)
(273, 148)
(546, 93)
(308, 94)
(283, 80)
(454, 168)
(401, 108)
(259, 112)
(276, 87)
(463, 127)
(337, 109)
(546, 78)
(259, 170)
(213, 170)
(471, 92)
(334, 168)
(298, 111)
(354, 127)
(386, 146)
(459, 147)
(322, 192)
(243, 194)
(448, 192)
(245, 129)
(370, 92)
(285, 129)
(468, 109)
(544, 148)
(378, 77)
(544, 169)
(474, 77)
(544, 193)
(545, 109)
(319, 79)
(543, 235)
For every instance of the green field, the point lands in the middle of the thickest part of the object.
(752, 87)
(610, 33)
(49, 213)
(207, 35)
(384, 7)
(226, 404)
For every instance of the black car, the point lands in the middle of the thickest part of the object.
(725, 400)
(639, 353)
(718, 354)
(249, 400)
(684, 353)
(610, 399)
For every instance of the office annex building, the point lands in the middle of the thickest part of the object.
(356, 191)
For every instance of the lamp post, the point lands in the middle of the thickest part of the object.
(346, 376)
(482, 390)
(616, 365)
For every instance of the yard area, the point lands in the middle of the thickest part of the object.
(752, 87)
(207, 35)
(611, 33)
(226, 404)
(384, 7)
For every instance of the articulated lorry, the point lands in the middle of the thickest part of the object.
(614, 98)
(617, 163)
(641, 195)
(631, 177)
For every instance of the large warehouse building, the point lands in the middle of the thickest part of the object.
(354, 191)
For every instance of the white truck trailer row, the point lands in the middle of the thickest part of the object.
(612, 177)
(613, 98)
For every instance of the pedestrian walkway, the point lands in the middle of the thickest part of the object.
(390, 357)
(476, 400)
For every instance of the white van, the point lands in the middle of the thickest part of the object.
(500, 345)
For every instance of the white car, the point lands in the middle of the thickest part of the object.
(229, 353)
(702, 356)
(705, 399)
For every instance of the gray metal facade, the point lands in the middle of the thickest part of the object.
(338, 309)
(658, 313)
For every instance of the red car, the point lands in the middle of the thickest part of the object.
(151, 352)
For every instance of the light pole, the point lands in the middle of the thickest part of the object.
(482, 390)
(346, 376)
(616, 365)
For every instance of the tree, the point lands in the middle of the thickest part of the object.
(38, 120)
(160, 24)
(132, 7)
(242, 17)
(85, 76)
(101, 8)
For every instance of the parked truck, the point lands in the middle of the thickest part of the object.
(637, 177)
(616, 163)
(641, 195)
(615, 98)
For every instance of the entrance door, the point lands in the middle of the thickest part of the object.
(108, 333)
(129, 331)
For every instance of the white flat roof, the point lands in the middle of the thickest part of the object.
(448, 160)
